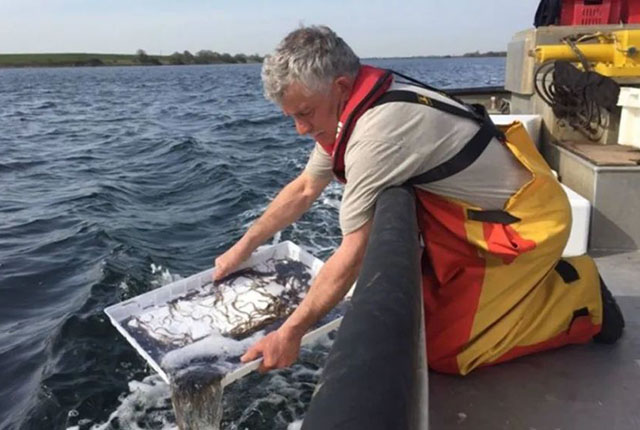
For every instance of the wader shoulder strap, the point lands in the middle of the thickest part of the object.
(469, 153)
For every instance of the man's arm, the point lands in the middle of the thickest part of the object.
(281, 347)
(289, 205)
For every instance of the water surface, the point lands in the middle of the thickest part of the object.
(114, 181)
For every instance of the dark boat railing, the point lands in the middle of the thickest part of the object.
(376, 377)
(473, 91)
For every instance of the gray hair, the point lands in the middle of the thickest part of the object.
(312, 56)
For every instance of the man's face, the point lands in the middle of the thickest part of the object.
(317, 114)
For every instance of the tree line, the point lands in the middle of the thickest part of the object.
(204, 56)
(486, 54)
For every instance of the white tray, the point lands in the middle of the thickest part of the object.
(223, 349)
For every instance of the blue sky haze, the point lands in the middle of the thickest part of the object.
(373, 28)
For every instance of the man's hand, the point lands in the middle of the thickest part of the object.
(227, 262)
(279, 349)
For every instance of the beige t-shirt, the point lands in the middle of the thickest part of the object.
(394, 142)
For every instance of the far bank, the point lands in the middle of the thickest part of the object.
(141, 58)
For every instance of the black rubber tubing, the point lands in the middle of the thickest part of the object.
(371, 378)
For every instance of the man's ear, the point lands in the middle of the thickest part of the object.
(343, 85)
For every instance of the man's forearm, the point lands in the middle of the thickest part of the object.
(281, 347)
(332, 283)
(286, 208)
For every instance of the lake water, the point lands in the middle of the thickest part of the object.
(114, 181)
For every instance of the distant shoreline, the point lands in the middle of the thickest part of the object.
(141, 58)
(184, 58)
(477, 54)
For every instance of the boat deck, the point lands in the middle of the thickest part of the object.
(587, 387)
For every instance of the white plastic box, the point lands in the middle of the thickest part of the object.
(212, 344)
(531, 123)
(579, 236)
(629, 131)
(580, 207)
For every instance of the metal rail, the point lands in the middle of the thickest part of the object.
(375, 377)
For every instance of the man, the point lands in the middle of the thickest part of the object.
(493, 218)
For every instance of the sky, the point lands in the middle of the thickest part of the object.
(372, 28)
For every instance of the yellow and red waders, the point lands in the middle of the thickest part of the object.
(495, 284)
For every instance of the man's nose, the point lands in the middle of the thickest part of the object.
(302, 127)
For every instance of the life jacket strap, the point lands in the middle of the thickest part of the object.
(469, 153)
(412, 97)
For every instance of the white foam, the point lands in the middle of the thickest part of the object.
(147, 400)
(124, 287)
(296, 425)
(161, 276)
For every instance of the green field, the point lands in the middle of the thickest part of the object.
(70, 59)
(79, 60)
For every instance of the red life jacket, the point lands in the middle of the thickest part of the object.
(370, 84)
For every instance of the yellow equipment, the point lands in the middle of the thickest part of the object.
(616, 54)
